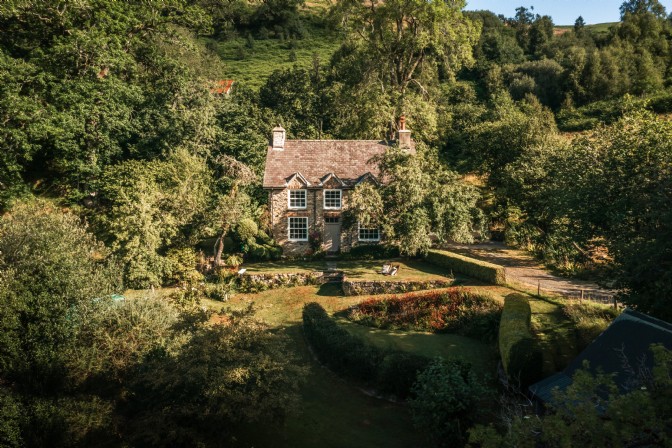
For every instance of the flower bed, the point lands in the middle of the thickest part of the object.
(456, 310)
(363, 287)
(263, 282)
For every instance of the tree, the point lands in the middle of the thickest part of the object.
(49, 265)
(579, 24)
(641, 7)
(420, 198)
(402, 39)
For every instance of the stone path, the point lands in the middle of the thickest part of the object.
(522, 268)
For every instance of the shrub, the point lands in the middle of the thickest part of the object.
(346, 354)
(589, 319)
(456, 310)
(471, 267)
(371, 252)
(446, 402)
(181, 267)
(246, 230)
(520, 352)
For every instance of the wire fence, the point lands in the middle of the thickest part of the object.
(541, 288)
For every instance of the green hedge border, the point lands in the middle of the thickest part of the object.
(521, 354)
(388, 371)
(481, 270)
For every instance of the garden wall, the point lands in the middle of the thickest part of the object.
(521, 355)
(481, 270)
(262, 282)
(359, 288)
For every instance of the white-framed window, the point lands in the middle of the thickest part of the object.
(368, 233)
(297, 229)
(297, 199)
(332, 199)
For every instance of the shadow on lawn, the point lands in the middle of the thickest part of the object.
(330, 290)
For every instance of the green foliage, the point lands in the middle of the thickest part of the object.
(11, 420)
(592, 411)
(371, 252)
(521, 355)
(181, 266)
(150, 207)
(225, 375)
(49, 266)
(446, 402)
(471, 267)
(246, 230)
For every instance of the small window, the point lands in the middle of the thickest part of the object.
(369, 234)
(298, 229)
(332, 199)
(331, 219)
(297, 198)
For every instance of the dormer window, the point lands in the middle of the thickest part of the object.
(332, 199)
(297, 199)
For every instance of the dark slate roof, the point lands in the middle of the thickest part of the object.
(627, 338)
(349, 160)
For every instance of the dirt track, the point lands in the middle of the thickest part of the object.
(522, 268)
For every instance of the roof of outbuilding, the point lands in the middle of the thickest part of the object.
(348, 160)
(626, 340)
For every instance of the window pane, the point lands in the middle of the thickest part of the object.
(297, 198)
(298, 229)
(332, 198)
(369, 234)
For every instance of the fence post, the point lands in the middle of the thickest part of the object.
(615, 304)
(581, 299)
(539, 288)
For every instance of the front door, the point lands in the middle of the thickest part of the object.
(332, 234)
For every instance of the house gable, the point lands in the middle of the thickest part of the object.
(331, 181)
(296, 181)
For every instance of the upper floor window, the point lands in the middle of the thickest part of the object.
(332, 199)
(297, 199)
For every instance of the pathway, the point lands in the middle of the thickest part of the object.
(524, 269)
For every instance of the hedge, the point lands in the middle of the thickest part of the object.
(388, 371)
(521, 355)
(470, 267)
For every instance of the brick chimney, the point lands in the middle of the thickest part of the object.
(403, 135)
(278, 138)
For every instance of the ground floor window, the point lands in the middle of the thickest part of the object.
(369, 233)
(298, 229)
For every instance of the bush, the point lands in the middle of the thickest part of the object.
(471, 267)
(446, 402)
(346, 354)
(520, 352)
(246, 230)
(371, 252)
(456, 310)
(589, 319)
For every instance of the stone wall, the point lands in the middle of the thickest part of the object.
(262, 282)
(360, 288)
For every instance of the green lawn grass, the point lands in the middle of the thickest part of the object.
(409, 270)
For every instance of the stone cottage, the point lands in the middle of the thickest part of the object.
(309, 183)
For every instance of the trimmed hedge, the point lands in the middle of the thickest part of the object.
(471, 267)
(388, 371)
(521, 355)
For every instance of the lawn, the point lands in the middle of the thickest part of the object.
(409, 270)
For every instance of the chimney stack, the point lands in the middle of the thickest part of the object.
(403, 135)
(278, 138)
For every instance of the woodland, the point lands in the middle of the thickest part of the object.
(121, 166)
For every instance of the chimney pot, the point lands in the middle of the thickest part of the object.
(403, 134)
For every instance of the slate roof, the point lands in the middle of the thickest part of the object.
(629, 336)
(349, 160)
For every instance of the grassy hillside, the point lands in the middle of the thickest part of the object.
(251, 61)
(597, 28)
